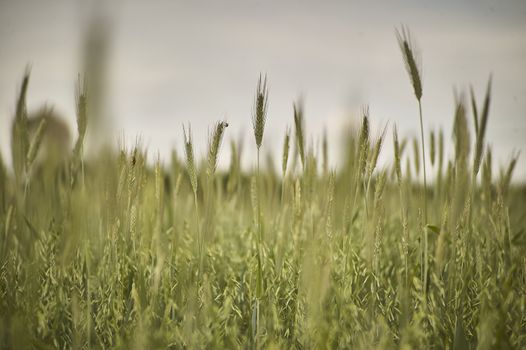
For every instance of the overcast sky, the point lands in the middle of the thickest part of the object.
(177, 61)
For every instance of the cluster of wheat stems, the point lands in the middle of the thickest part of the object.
(111, 252)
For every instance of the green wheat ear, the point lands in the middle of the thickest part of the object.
(413, 67)
(259, 114)
(214, 145)
(376, 153)
(286, 147)
(190, 161)
(35, 143)
(432, 147)
(19, 130)
(461, 135)
(480, 128)
(363, 143)
(412, 61)
(299, 125)
(81, 99)
(325, 153)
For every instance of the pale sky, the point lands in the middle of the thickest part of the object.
(198, 61)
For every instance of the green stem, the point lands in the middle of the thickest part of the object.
(426, 267)
(199, 234)
(423, 159)
(259, 277)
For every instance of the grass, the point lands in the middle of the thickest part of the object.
(111, 252)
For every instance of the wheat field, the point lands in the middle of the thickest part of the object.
(121, 251)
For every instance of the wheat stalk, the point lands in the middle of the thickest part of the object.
(403, 216)
(413, 68)
(192, 174)
(259, 117)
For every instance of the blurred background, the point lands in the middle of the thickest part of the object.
(160, 64)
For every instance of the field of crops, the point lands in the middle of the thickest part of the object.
(118, 251)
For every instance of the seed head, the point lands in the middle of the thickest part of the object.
(190, 163)
(213, 146)
(35, 143)
(479, 144)
(432, 144)
(81, 97)
(286, 147)
(259, 114)
(298, 123)
(412, 64)
(376, 153)
(363, 142)
(20, 135)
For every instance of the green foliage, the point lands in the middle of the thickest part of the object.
(142, 255)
